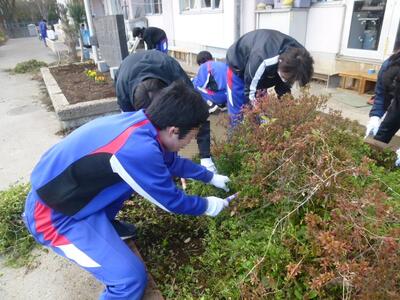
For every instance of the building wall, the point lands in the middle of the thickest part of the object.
(196, 30)
(324, 35)
(247, 16)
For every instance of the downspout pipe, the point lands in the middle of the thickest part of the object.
(237, 19)
(92, 32)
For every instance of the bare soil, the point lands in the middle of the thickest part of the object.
(78, 87)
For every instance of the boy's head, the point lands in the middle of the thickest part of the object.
(203, 56)
(138, 31)
(177, 111)
(296, 64)
(146, 91)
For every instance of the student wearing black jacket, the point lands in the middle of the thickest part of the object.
(141, 77)
(154, 37)
(262, 59)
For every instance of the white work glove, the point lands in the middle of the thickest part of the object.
(209, 164)
(397, 163)
(220, 181)
(215, 206)
(373, 126)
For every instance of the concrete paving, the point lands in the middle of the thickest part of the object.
(27, 129)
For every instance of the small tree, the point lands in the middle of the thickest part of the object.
(69, 31)
(76, 11)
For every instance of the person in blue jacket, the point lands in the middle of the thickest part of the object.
(210, 81)
(43, 30)
(141, 76)
(81, 183)
(261, 59)
(382, 101)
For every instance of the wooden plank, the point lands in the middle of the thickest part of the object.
(378, 145)
(151, 293)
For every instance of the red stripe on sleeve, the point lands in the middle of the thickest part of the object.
(120, 140)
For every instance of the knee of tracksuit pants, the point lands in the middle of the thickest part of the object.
(218, 98)
(129, 282)
(204, 140)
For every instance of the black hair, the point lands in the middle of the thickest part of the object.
(44, 20)
(297, 63)
(178, 105)
(203, 56)
(145, 92)
(138, 31)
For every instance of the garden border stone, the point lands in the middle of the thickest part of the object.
(74, 115)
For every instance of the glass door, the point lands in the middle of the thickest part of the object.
(367, 28)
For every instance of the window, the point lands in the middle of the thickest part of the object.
(153, 7)
(197, 5)
(366, 24)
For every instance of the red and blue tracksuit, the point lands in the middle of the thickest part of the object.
(81, 183)
(211, 81)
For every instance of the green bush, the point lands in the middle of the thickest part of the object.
(317, 216)
(3, 37)
(15, 240)
(29, 66)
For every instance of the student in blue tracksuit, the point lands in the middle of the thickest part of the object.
(210, 81)
(81, 183)
(262, 59)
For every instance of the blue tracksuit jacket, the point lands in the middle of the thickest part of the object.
(87, 171)
(211, 81)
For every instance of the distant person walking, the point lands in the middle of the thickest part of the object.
(154, 37)
(43, 30)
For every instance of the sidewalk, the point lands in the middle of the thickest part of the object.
(27, 129)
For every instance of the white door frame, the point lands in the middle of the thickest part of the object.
(387, 35)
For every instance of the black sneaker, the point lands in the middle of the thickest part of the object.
(124, 230)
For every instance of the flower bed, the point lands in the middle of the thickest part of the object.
(77, 97)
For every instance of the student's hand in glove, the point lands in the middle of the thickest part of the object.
(397, 163)
(220, 181)
(215, 206)
(373, 126)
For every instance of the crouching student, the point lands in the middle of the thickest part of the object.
(142, 76)
(81, 183)
(210, 81)
(154, 37)
(262, 59)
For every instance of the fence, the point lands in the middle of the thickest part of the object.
(18, 30)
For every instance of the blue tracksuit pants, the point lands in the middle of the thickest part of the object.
(236, 96)
(92, 243)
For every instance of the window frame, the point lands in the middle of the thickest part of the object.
(198, 7)
(152, 4)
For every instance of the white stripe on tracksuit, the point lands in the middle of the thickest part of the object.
(260, 71)
(120, 170)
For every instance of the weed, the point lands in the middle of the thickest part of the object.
(29, 66)
(15, 240)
